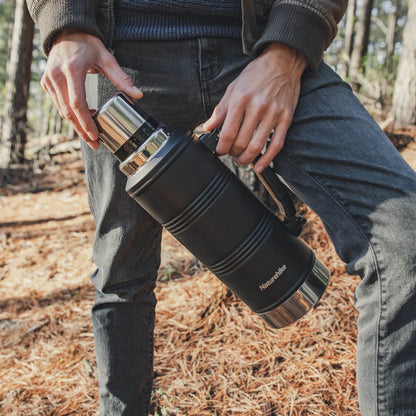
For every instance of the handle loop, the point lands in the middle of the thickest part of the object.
(274, 186)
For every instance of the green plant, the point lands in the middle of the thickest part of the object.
(163, 403)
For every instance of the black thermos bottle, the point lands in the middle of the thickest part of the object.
(190, 192)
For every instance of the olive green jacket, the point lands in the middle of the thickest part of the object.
(309, 26)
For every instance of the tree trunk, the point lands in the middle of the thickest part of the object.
(404, 98)
(390, 38)
(46, 109)
(360, 43)
(53, 117)
(348, 38)
(13, 138)
(58, 123)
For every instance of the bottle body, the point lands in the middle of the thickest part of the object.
(212, 213)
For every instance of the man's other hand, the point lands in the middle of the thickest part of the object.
(261, 100)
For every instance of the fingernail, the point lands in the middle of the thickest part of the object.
(206, 125)
(259, 168)
(94, 144)
(137, 91)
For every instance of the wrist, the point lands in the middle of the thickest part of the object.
(67, 34)
(287, 54)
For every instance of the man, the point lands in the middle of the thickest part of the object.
(185, 62)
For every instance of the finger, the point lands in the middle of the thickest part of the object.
(231, 126)
(119, 78)
(229, 132)
(220, 111)
(78, 103)
(60, 99)
(94, 144)
(57, 84)
(47, 86)
(276, 144)
(217, 117)
(244, 137)
(257, 142)
(259, 119)
(51, 88)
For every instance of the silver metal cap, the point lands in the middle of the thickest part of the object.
(117, 121)
(304, 299)
(146, 151)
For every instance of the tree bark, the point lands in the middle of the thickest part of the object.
(53, 117)
(390, 38)
(360, 43)
(348, 38)
(404, 98)
(13, 138)
(46, 109)
(58, 123)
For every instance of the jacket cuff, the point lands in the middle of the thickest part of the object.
(71, 14)
(298, 27)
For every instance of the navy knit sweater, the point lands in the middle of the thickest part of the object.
(177, 19)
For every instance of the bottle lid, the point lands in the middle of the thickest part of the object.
(118, 120)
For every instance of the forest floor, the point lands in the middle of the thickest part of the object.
(212, 355)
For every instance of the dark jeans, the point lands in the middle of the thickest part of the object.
(335, 158)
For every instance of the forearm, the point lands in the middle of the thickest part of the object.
(53, 16)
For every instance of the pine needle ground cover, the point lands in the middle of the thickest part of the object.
(212, 355)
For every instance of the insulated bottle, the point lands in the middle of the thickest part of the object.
(176, 177)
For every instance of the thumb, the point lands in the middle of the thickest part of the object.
(120, 79)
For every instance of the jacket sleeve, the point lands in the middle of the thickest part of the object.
(309, 26)
(52, 16)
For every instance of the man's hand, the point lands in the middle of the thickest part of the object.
(260, 100)
(72, 56)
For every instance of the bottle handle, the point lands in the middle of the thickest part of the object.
(274, 186)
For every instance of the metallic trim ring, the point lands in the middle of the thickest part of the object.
(145, 152)
(304, 299)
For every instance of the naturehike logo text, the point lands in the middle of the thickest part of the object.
(279, 272)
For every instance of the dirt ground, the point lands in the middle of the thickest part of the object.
(212, 355)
